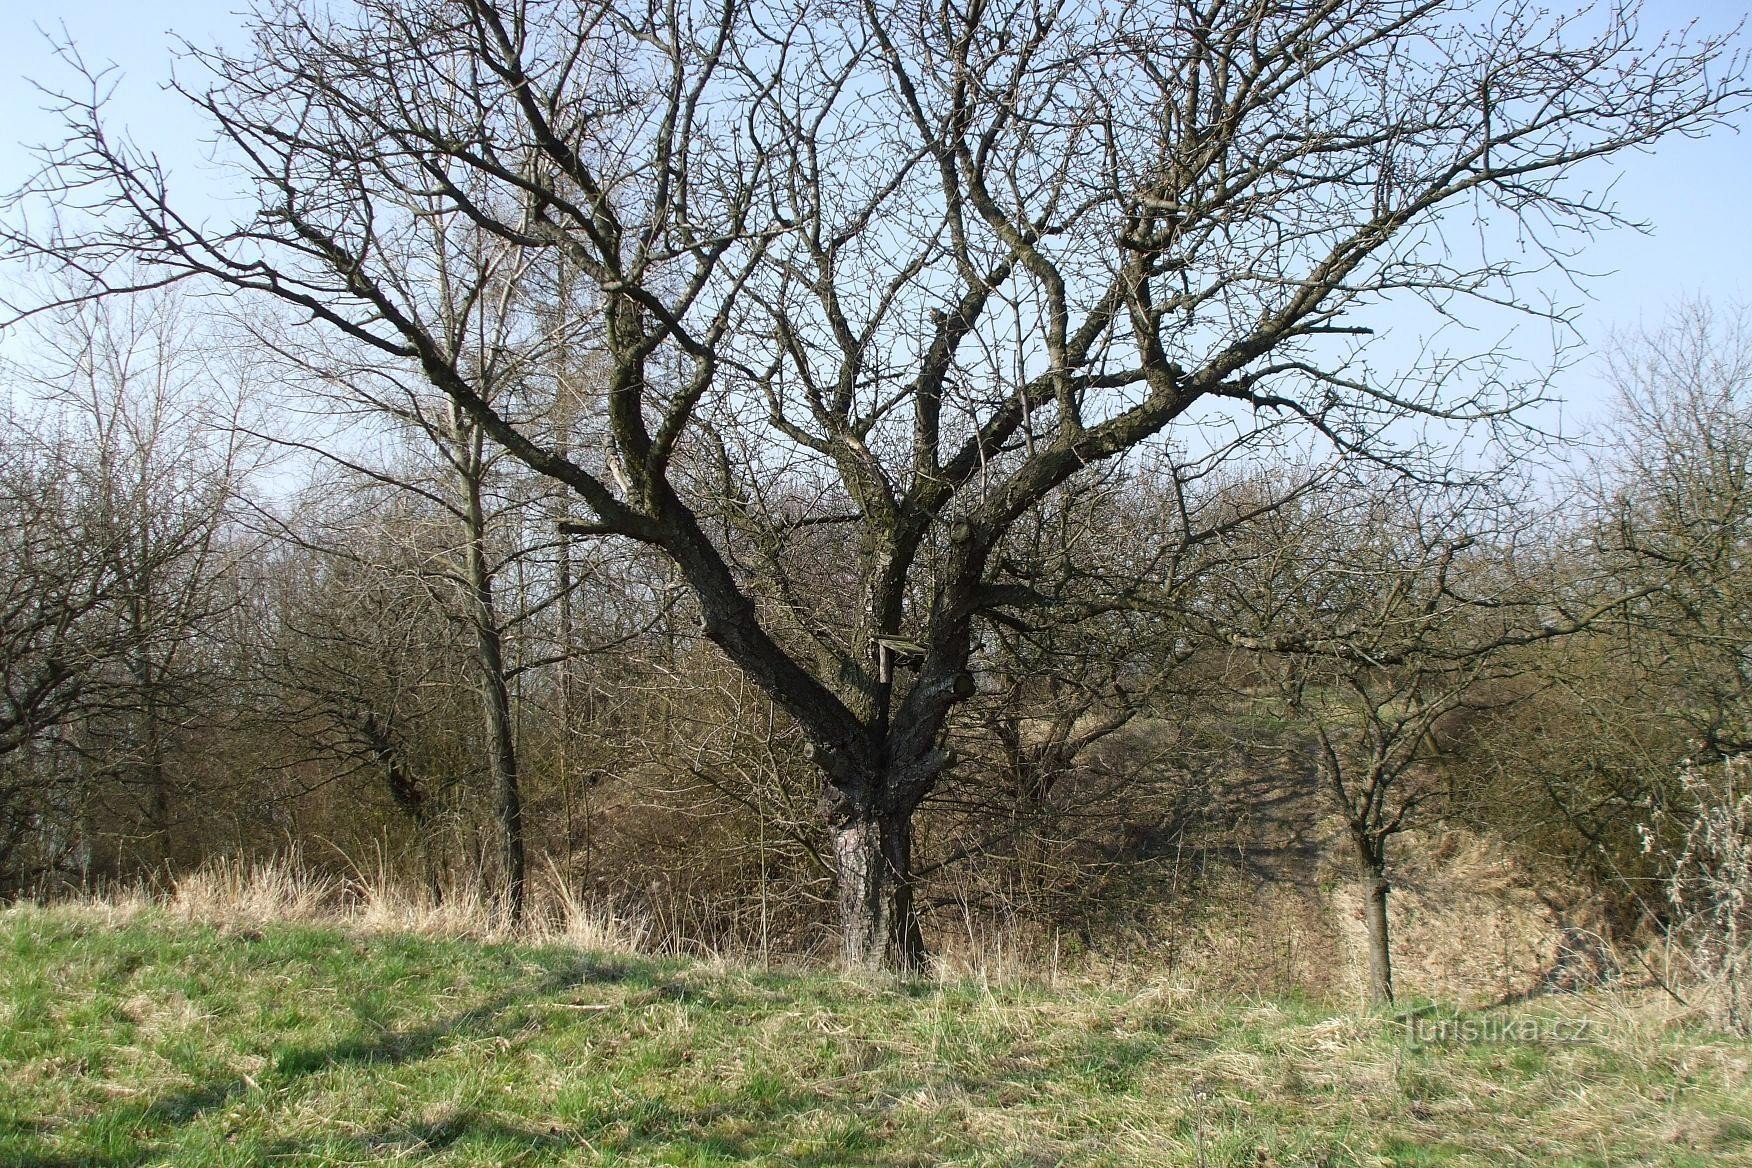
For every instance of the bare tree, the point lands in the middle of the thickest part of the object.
(56, 587)
(465, 530)
(358, 671)
(922, 265)
(1053, 763)
(1675, 504)
(1377, 612)
(1673, 525)
(1657, 692)
(510, 316)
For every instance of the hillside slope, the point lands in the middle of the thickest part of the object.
(1272, 905)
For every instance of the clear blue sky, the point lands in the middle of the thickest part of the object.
(1697, 194)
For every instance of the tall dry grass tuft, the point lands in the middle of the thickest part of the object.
(232, 890)
(380, 901)
(565, 914)
(995, 953)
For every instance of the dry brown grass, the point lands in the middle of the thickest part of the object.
(236, 893)
(1467, 929)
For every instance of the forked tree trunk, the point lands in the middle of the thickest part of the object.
(879, 924)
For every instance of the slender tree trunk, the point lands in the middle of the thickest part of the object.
(501, 754)
(154, 775)
(495, 695)
(149, 769)
(879, 924)
(157, 779)
(1375, 887)
(561, 417)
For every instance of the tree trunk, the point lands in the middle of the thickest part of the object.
(158, 796)
(1375, 888)
(507, 795)
(495, 691)
(154, 774)
(879, 924)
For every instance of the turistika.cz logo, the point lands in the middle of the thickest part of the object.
(1487, 1030)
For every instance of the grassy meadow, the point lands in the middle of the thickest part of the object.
(134, 1036)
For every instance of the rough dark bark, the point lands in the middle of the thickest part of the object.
(879, 923)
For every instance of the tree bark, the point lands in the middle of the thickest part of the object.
(879, 924)
(507, 793)
(495, 692)
(1375, 888)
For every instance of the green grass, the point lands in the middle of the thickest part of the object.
(137, 1039)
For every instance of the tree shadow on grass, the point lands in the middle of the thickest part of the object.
(491, 1018)
(795, 1125)
(649, 1134)
(659, 1134)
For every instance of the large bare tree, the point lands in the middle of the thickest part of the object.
(883, 276)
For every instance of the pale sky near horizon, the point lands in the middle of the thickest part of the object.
(1697, 194)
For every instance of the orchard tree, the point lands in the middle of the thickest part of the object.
(887, 275)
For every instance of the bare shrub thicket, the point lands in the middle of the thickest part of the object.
(1711, 884)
